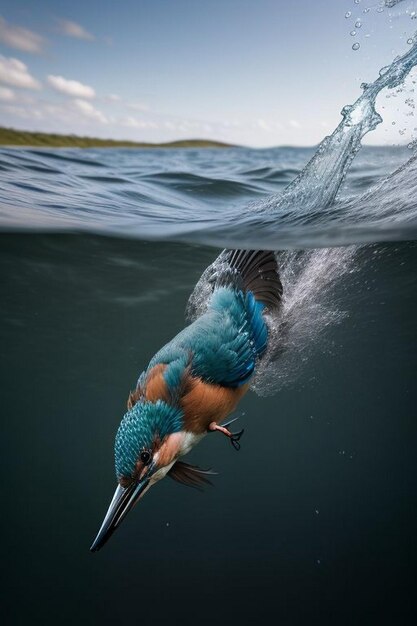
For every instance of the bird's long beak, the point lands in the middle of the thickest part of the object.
(123, 500)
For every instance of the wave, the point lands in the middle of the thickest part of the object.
(226, 198)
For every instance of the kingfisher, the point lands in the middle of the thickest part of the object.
(194, 383)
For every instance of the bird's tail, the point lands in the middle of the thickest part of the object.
(250, 270)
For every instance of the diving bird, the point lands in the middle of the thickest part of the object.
(195, 382)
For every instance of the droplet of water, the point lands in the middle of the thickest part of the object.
(393, 123)
(364, 85)
(366, 10)
(409, 41)
(353, 33)
(357, 1)
(356, 46)
(380, 9)
(348, 14)
(358, 24)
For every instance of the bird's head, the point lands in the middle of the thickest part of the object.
(148, 442)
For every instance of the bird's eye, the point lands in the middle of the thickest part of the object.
(145, 457)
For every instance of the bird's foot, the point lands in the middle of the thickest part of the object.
(234, 437)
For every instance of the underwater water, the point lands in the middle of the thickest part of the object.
(314, 518)
(313, 521)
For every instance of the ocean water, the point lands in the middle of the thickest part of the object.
(207, 196)
(103, 254)
(314, 519)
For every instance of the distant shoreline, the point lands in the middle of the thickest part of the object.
(12, 138)
(21, 138)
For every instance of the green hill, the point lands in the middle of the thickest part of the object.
(11, 137)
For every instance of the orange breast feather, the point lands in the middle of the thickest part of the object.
(203, 403)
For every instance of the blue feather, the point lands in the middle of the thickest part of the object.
(224, 343)
(138, 429)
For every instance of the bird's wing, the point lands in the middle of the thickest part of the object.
(229, 338)
(190, 475)
(221, 346)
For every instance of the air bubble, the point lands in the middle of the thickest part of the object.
(356, 46)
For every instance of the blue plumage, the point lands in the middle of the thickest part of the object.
(137, 431)
(222, 345)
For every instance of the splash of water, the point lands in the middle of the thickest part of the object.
(385, 194)
(309, 278)
(392, 3)
(317, 185)
(308, 308)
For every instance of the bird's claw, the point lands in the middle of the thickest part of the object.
(234, 437)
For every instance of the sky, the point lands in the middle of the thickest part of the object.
(251, 72)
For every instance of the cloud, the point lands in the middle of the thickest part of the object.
(24, 112)
(14, 72)
(74, 115)
(7, 95)
(72, 29)
(270, 127)
(87, 109)
(71, 87)
(264, 125)
(20, 38)
(138, 106)
(133, 122)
